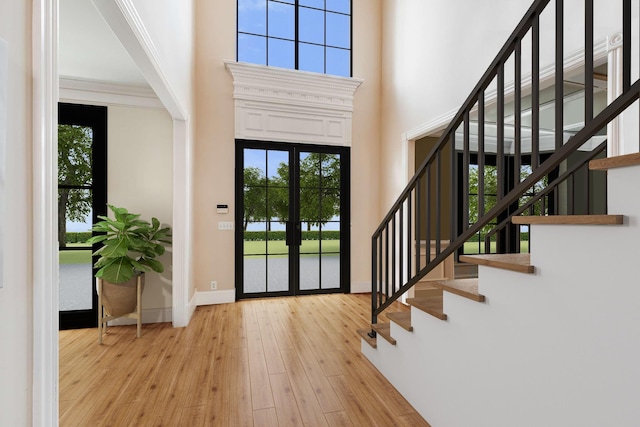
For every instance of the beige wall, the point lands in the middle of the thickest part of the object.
(16, 308)
(214, 151)
(140, 178)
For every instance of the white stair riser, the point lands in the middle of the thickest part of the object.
(556, 348)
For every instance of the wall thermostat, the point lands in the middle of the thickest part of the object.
(222, 209)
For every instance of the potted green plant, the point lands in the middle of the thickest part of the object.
(130, 247)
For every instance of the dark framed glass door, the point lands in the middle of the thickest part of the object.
(82, 196)
(292, 219)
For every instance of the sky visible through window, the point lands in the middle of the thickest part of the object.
(321, 43)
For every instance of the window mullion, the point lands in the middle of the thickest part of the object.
(324, 50)
(296, 36)
(266, 47)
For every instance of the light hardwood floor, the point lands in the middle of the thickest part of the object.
(272, 362)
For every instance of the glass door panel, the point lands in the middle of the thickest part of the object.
(75, 261)
(82, 152)
(265, 257)
(290, 219)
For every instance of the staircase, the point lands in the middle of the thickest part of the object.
(549, 339)
(542, 338)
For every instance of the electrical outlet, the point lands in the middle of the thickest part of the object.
(214, 285)
(225, 225)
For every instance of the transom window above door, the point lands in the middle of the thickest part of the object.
(307, 35)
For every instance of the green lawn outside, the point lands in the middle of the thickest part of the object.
(279, 247)
(471, 248)
(276, 247)
(76, 256)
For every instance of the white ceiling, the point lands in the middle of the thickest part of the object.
(89, 50)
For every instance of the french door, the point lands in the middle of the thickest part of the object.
(82, 192)
(292, 219)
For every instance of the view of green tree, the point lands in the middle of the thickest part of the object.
(74, 169)
(319, 191)
(491, 191)
(278, 208)
(254, 196)
(319, 188)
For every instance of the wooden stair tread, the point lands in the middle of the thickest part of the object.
(402, 318)
(467, 288)
(364, 334)
(570, 219)
(427, 289)
(512, 262)
(432, 306)
(615, 162)
(384, 330)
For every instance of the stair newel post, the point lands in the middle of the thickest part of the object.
(380, 265)
(374, 282)
(409, 233)
(394, 237)
(386, 262)
(419, 219)
(438, 203)
(401, 246)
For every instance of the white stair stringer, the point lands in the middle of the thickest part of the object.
(560, 347)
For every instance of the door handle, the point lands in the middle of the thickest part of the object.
(293, 233)
(287, 233)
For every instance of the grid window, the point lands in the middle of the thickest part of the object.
(308, 35)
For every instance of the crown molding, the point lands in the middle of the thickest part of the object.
(277, 104)
(254, 82)
(105, 93)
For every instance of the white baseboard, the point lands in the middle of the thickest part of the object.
(215, 297)
(150, 315)
(192, 304)
(360, 287)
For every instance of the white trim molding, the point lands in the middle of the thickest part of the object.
(102, 93)
(126, 23)
(182, 170)
(277, 104)
(45, 200)
(360, 287)
(193, 305)
(214, 297)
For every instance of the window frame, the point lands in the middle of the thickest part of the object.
(296, 40)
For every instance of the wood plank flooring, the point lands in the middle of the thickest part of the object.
(272, 362)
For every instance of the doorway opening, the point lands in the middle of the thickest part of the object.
(82, 196)
(292, 219)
